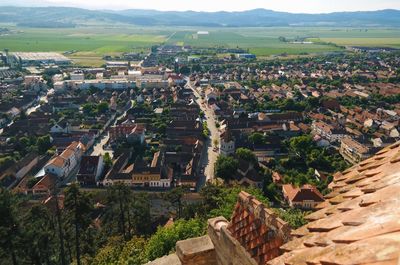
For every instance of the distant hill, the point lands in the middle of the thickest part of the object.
(67, 17)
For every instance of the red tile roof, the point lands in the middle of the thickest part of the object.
(257, 229)
(359, 221)
(48, 182)
(357, 224)
(304, 193)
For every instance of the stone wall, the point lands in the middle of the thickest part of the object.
(228, 250)
(196, 251)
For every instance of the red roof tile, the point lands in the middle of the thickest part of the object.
(358, 222)
(257, 229)
(306, 192)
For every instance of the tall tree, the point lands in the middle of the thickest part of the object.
(118, 198)
(9, 226)
(79, 207)
(59, 228)
(38, 235)
(175, 197)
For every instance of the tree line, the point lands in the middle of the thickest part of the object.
(74, 229)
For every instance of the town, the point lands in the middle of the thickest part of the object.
(181, 121)
(160, 126)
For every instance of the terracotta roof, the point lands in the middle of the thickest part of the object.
(353, 144)
(139, 129)
(75, 145)
(169, 223)
(359, 221)
(57, 161)
(71, 149)
(257, 229)
(299, 194)
(323, 126)
(67, 153)
(48, 181)
(155, 160)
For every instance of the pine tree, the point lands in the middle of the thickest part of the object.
(78, 206)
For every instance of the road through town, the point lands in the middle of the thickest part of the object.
(210, 157)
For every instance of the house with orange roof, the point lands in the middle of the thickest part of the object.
(353, 151)
(327, 131)
(63, 164)
(305, 197)
(45, 185)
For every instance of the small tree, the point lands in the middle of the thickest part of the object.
(164, 240)
(43, 144)
(246, 154)
(175, 197)
(216, 142)
(102, 107)
(256, 138)
(107, 160)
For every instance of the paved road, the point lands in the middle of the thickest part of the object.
(103, 139)
(41, 99)
(210, 157)
(98, 147)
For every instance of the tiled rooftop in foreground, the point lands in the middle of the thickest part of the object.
(358, 223)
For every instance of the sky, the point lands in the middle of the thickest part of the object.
(293, 6)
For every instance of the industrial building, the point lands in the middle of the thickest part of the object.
(35, 58)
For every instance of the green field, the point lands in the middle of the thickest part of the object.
(262, 45)
(82, 39)
(92, 42)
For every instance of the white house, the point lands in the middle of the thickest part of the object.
(327, 131)
(226, 143)
(62, 165)
(63, 127)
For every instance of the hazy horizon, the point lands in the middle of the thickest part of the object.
(291, 6)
